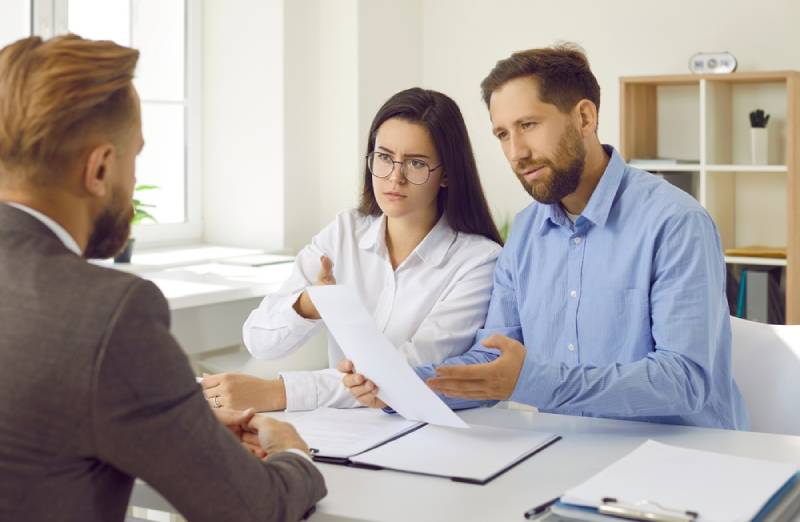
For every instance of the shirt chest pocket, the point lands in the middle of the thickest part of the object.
(614, 325)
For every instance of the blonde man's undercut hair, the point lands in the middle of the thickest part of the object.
(55, 97)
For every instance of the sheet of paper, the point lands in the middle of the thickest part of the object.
(718, 487)
(374, 356)
(477, 453)
(342, 433)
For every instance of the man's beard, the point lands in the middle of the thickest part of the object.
(565, 169)
(112, 228)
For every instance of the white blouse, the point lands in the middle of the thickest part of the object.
(429, 308)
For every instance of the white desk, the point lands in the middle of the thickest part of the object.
(210, 302)
(209, 297)
(587, 446)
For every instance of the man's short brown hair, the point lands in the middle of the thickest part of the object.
(562, 72)
(55, 95)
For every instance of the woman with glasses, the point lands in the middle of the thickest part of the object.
(419, 251)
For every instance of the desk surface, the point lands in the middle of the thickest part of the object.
(203, 275)
(588, 445)
(214, 283)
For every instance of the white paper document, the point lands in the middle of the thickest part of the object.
(375, 357)
(474, 455)
(667, 479)
(371, 438)
(343, 433)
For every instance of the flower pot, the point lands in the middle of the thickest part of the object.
(758, 145)
(126, 253)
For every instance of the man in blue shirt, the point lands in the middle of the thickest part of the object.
(609, 297)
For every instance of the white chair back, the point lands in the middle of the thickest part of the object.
(766, 366)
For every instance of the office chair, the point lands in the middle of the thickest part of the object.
(766, 366)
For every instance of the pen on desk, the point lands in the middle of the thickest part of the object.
(532, 512)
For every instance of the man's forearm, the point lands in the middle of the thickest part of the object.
(661, 384)
(477, 355)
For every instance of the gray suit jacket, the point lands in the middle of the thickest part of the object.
(95, 391)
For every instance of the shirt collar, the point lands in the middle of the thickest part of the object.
(431, 249)
(434, 247)
(599, 206)
(375, 234)
(60, 232)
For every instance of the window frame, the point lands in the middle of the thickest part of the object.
(49, 18)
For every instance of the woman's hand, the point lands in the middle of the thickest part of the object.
(364, 390)
(239, 391)
(304, 306)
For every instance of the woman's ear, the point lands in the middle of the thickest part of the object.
(443, 181)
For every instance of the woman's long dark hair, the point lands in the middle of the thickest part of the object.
(462, 200)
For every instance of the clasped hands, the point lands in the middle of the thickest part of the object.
(260, 435)
(495, 380)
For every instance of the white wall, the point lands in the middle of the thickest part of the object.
(389, 57)
(463, 40)
(338, 114)
(285, 146)
(243, 133)
(302, 122)
(344, 58)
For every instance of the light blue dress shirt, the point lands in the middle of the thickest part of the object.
(623, 313)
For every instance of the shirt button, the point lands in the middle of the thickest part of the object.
(577, 240)
(571, 347)
(573, 294)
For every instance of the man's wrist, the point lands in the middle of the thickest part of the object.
(299, 452)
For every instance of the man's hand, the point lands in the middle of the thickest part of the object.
(238, 422)
(272, 435)
(360, 387)
(304, 306)
(489, 381)
(239, 391)
(235, 420)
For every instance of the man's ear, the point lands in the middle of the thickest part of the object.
(96, 170)
(587, 117)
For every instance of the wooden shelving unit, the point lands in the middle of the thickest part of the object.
(703, 120)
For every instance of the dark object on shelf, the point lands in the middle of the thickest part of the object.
(682, 180)
(758, 119)
(757, 293)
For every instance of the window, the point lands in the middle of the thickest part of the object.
(15, 22)
(168, 79)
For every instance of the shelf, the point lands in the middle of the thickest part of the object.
(661, 167)
(763, 261)
(746, 168)
(694, 167)
(707, 117)
(736, 77)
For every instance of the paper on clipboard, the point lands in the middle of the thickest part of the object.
(375, 357)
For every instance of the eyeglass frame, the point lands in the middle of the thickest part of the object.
(402, 168)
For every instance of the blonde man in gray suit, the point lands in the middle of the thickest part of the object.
(94, 390)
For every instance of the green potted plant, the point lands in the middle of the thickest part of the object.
(505, 228)
(140, 214)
